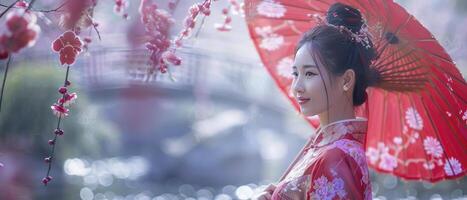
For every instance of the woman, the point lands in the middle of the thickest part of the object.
(331, 73)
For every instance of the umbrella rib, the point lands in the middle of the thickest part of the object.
(419, 85)
(405, 80)
(394, 67)
(395, 76)
(379, 61)
(424, 40)
(400, 88)
(381, 65)
(400, 49)
(446, 60)
(436, 55)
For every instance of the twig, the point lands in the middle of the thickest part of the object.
(41, 10)
(58, 127)
(94, 25)
(8, 8)
(53, 10)
(4, 80)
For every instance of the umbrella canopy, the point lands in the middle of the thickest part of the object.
(417, 113)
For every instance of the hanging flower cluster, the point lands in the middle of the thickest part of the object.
(157, 23)
(236, 8)
(78, 14)
(190, 21)
(120, 8)
(19, 31)
(68, 45)
(225, 26)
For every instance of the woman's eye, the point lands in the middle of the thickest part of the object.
(310, 74)
(294, 74)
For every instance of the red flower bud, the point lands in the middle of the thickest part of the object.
(45, 181)
(62, 90)
(58, 132)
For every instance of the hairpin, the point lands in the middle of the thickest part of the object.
(362, 36)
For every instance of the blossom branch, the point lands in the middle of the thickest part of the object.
(58, 132)
(68, 45)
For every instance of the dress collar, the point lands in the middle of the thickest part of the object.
(336, 130)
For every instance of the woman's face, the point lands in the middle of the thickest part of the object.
(308, 87)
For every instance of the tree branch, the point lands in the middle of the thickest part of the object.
(57, 9)
(8, 8)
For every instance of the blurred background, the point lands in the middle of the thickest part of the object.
(221, 131)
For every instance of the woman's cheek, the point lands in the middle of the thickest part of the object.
(317, 95)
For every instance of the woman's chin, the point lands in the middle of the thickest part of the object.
(307, 113)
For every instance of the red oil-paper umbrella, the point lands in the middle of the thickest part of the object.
(417, 112)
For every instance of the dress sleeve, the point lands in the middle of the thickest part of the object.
(338, 175)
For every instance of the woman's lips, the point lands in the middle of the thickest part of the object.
(303, 100)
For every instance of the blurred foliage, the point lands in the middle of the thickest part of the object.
(27, 122)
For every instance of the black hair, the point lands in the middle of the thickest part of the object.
(336, 50)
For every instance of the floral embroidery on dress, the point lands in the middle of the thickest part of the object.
(355, 150)
(336, 130)
(346, 137)
(326, 190)
(297, 188)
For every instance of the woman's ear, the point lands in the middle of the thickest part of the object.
(348, 79)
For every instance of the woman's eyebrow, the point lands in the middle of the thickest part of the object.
(305, 66)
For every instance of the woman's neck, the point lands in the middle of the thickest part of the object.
(326, 118)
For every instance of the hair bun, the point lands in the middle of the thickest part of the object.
(343, 15)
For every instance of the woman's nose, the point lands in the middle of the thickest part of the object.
(298, 87)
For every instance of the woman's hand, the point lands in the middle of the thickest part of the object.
(267, 193)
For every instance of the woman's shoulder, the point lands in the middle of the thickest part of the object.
(343, 147)
(344, 153)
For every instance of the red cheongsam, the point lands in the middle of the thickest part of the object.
(333, 166)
